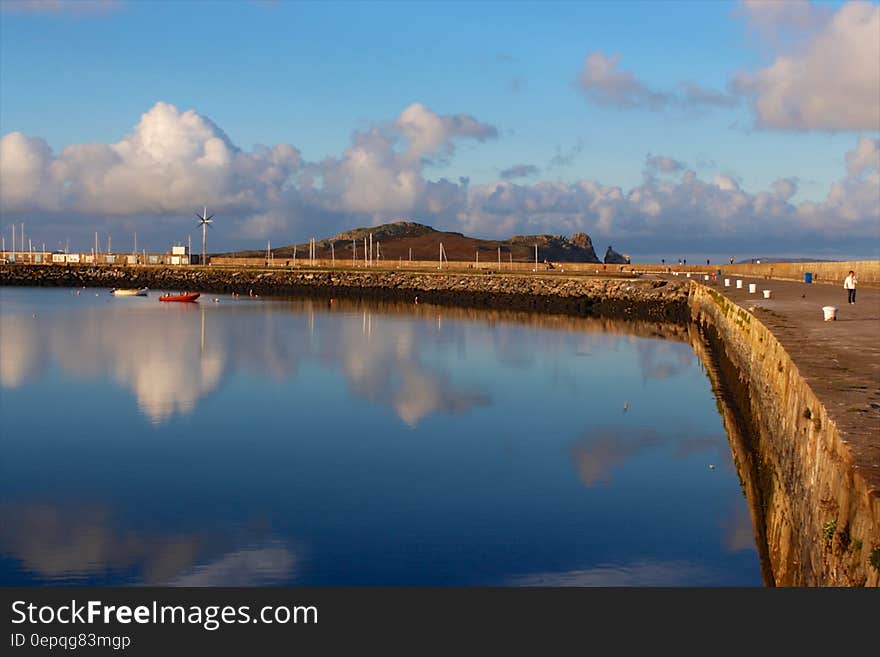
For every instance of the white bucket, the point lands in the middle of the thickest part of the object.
(689, 275)
(706, 277)
(753, 287)
(726, 282)
(830, 313)
(739, 283)
(767, 294)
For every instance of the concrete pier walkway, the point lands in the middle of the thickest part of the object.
(840, 360)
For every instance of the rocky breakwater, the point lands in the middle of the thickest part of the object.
(644, 299)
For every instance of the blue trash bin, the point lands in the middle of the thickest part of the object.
(808, 277)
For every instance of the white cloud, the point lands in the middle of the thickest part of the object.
(23, 171)
(172, 162)
(685, 210)
(865, 157)
(780, 21)
(785, 188)
(608, 86)
(428, 133)
(380, 175)
(828, 78)
(663, 164)
(175, 161)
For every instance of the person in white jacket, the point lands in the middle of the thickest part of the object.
(849, 284)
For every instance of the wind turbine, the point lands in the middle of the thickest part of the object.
(205, 221)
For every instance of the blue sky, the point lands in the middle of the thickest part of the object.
(312, 75)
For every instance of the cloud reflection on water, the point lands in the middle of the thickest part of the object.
(171, 357)
(63, 546)
(632, 573)
(22, 356)
(599, 451)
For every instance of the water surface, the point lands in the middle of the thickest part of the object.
(264, 442)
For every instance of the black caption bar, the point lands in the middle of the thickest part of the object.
(170, 621)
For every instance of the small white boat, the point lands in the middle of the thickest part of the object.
(129, 292)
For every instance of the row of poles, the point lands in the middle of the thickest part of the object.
(369, 259)
(19, 246)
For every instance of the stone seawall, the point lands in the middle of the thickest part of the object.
(818, 514)
(601, 297)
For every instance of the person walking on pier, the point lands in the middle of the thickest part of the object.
(849, 284)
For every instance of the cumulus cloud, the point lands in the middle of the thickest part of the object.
(686, 211)
(519, 171)
(663, 164)
(380, 174)
(174, 161)
(429, 133)
(785, 188)
(607, 85)
(827, 78)
(780, 22)
(865, 157)
(610, 87)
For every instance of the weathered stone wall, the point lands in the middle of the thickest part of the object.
(601, 297)
(820, 519)
(832, 273)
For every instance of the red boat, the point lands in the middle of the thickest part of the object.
(192, 296)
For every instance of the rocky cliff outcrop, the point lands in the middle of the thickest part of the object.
(612, 257)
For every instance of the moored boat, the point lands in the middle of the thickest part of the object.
(129, 292)
(190, 296)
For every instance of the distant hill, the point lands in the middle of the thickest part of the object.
(396, 241)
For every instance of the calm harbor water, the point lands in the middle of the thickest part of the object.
(265, 442)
